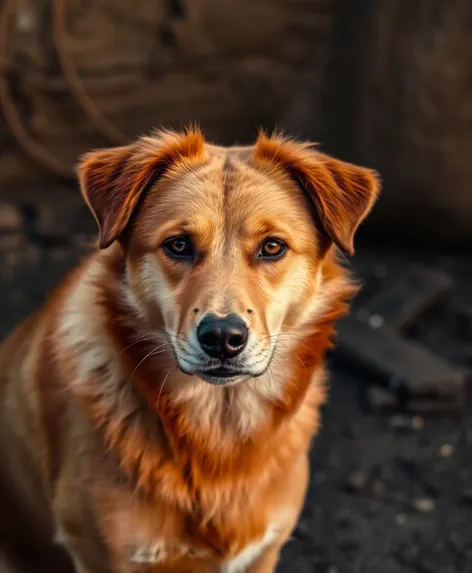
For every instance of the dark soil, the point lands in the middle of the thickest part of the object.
(381, 500)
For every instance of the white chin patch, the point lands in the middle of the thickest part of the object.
(224, 381)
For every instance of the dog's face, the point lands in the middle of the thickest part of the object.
(225, 255)
(224, 246)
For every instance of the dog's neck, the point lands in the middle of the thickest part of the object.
(164, 425)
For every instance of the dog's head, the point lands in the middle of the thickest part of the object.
(224, 246)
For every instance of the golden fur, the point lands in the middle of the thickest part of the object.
(110, 449)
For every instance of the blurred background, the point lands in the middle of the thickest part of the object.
(386, 84)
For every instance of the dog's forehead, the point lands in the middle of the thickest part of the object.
(230, 186)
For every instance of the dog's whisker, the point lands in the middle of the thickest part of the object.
(279, 363)
(151, 353)
(292, 353)
(144, 338)
(162, 387)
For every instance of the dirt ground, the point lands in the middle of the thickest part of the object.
(381, 500)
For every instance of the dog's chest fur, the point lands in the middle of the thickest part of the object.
(147, 535)
(232, 522)
(159, 552)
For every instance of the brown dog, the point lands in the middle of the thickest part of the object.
(156, 414)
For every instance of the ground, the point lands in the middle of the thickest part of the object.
(382, 499)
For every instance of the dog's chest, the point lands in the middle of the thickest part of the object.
(158, 537)
(168, 552)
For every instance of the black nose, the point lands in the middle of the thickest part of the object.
(222, 337)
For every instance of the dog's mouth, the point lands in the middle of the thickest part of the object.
(221, 375)
(221, 372)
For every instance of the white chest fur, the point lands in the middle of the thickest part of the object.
(249, 554)
(157, 553)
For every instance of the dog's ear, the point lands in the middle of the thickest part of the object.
(342, 193)
(113, 180)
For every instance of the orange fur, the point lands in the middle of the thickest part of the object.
(126, 171)
(343, 193)
(131, 452)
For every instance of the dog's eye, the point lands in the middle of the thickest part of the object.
(272, 249)
(179, 248)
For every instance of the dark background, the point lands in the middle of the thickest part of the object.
(385, 83)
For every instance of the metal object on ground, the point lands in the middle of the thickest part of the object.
(374, 340)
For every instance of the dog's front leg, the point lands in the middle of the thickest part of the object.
(267, 562)
(294, 490)
(79, 566)
(78, 551)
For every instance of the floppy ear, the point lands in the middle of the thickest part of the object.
(113, 180)
(342, 193)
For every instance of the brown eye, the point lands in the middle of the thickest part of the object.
(272, 249)
(179, 248)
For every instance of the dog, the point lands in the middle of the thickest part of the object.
(157, 412)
